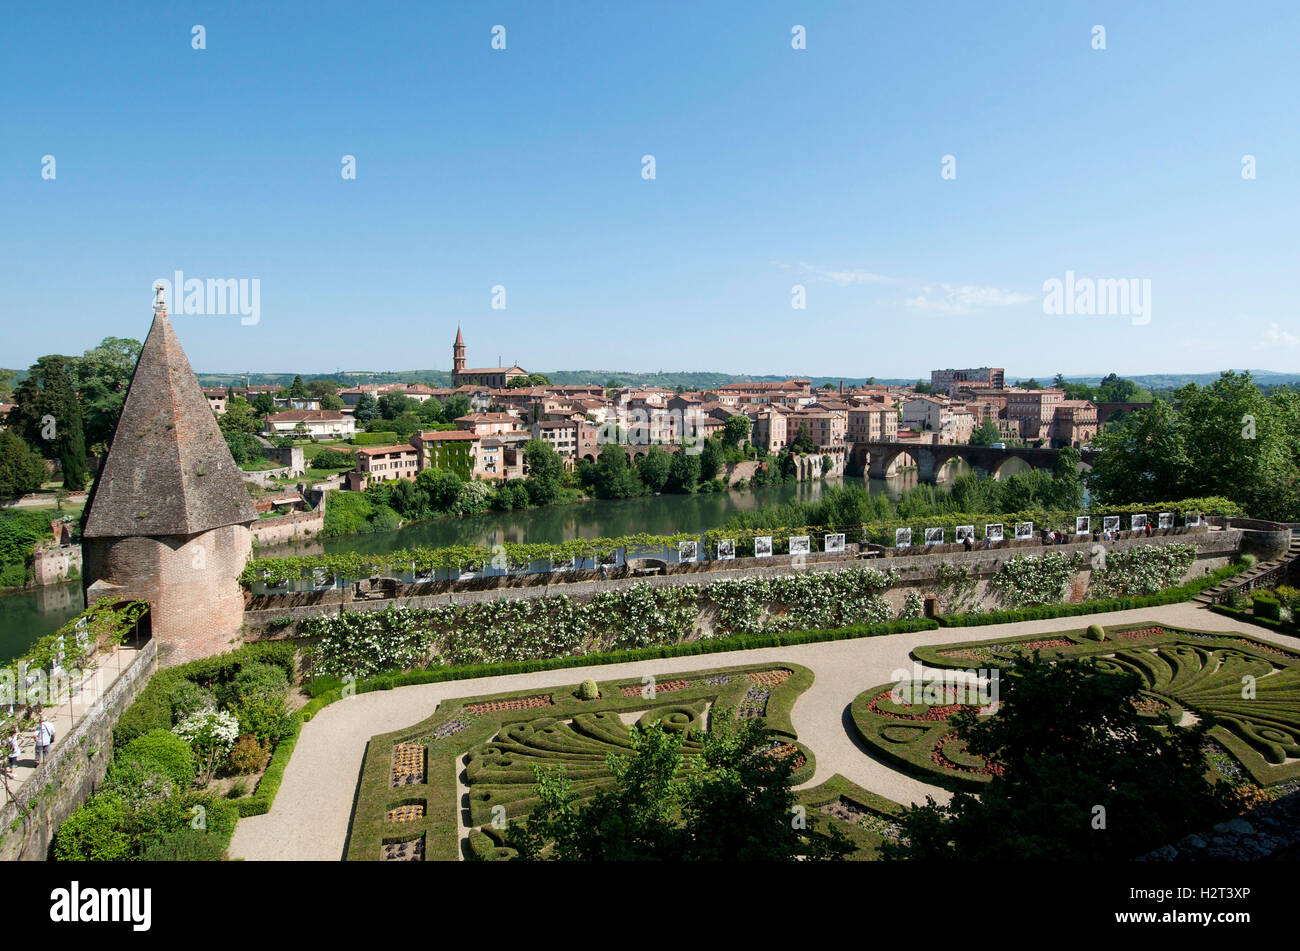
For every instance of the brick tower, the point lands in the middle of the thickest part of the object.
(457, 356)
(169, 518)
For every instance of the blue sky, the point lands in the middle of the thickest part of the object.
(774, 166)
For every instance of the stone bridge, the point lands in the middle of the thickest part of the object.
(884, 457)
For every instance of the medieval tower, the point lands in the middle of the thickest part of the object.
(458, 355)
(169, 521)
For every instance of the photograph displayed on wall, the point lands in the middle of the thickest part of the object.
(1110, 523)
(1024, 529)
(964, 532)
(726, 549)
(835, 542)
(993, 532)
(763, 546)
(934, 536)
(1082, 525)
(686, 551)
(799, 545)
(1166, 519)
(1139, 522)
(1192, 518)
(902, 538)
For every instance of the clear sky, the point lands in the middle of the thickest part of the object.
(774, 167)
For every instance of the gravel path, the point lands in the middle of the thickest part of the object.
(309, 820)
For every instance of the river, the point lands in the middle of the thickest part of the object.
(27, 616)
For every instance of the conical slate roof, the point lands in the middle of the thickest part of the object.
(168, 470)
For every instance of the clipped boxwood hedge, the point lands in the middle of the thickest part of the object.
(438, 793)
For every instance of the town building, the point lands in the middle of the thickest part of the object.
(482, 376)
(311, 424)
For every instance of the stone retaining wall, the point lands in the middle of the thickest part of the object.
(916, 573)
(75, 767)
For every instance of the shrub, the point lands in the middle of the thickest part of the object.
(210, 735)
(248, 755)
(1266, 606)
(1247, 560)
(94, 832)
(138, 781)
(1096, 632)
(255, 680)
(588, 690)
(913, 606)
(188, 699)
(266, 718)
(164, 750)
(184, 845)
(203, 812)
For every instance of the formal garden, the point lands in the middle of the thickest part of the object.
(1245, 689)
(493, 750)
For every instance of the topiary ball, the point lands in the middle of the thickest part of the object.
(588, 690)
(1096, 632)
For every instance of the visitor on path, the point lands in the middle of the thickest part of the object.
(1147, 529)
(967, 543)
(44, 739)
(13, 751)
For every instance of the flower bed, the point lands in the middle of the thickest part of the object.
(499, 749)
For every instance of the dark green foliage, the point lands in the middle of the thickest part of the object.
(736, 807)
(545, 479)
(165, 751)
(94, 832)
(614, 476)
(1101, 783)
(22, 469)
(20, 530)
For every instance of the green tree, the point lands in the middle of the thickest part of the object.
(101, 377)
(653, 468)
(731, 802)
(297, 389)
(457, 405)
(1143, 460)
(615, 477)
(711, 460)
(367, 408)
(47, 415)
(323, 388)
(803, 441)
(263, 405)
(683, 473)
(986, 433)
(1095, 751)
(736, 430)
(331, 402)
(545, 478)
(22, 469)
(394, 404)
(442, 486)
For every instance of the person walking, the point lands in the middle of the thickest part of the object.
(44, 739)
(14, 748)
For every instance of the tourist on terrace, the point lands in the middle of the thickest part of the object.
(14, 745)
(44, 739)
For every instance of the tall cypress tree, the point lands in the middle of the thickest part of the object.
(48, 416)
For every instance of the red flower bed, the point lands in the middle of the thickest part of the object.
(520, 703)
(939, 759)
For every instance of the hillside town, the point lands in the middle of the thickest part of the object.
(835, 423)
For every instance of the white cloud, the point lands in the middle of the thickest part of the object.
(1275, 336)
(958, 299)
(845, 277)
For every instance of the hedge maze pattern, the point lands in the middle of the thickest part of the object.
(440, 789)
(1248, 690)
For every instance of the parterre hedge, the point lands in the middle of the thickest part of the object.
(546, 728)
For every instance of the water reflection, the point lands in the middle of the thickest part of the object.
(28, 616)
(653, 514)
